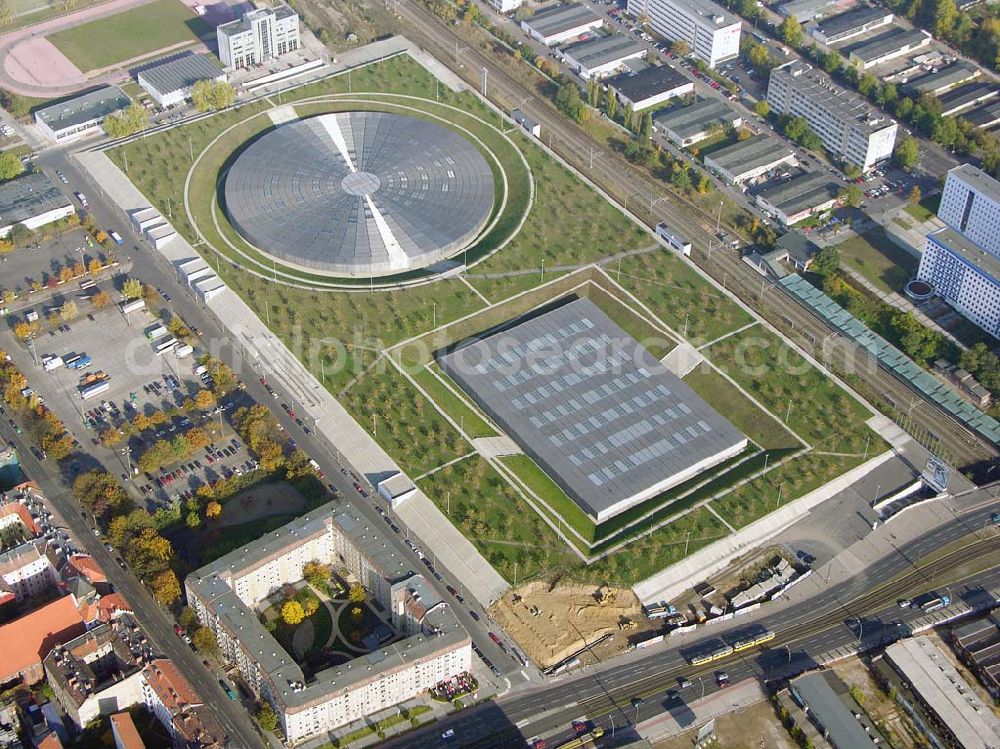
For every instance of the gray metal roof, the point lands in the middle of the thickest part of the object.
(844, 729)
(597, 52)
(952, 75)
(551, 20)
(602, 417)
(800, 193)
(851, 21)
(889, 43)
(28, 196)
(892, 358)
(657, 79)
(360, 193)
(179, 74)
(835, 100)
(805, 10)
(967, 95)
(691, 120)
(95, 105)
(749, 154)
(946, 692)
(984, 116)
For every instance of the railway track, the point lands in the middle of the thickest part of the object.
(927, 422)
(617, 700)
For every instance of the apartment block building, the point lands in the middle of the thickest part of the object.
(257, 37)
(434, 647)
(712, 32)
(849, 127)
(970, 204)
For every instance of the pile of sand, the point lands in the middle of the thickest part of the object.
(550, 623)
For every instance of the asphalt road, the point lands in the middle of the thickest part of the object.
(804, 631)
(151, 268)
(154, 619)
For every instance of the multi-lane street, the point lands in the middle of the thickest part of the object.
(805, 630)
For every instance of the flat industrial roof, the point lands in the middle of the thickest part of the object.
(654, 80)
(597, 52)
(946, 692)
(242, 24)
(968, 250)
(805, 10)
(551, 20)
(693, 119)
(801, 193)
(603, 417)
(715, 14)
(978, 180)
(887, 44)
(749, 154)
(984, 116)
(95, 105)
(27, 197)
(851, 20)
(967, 95)
(951, 75)
(844, 729)
(180, 73)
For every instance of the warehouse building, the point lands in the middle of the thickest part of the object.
(712, 32)
(807, 10)
(849, 126)
(851, 24)
(651, 87)
(599, 58)
(686, 126)
(555, 24)
(985, 117)
(748, 159)
(978, 645)
(814, 694)
(888, 47)
(31, 200)
(799, 198)
(932, 681)
(938, 82)
(76, 118)
(169, 82)
(604, 419)
(966, 96)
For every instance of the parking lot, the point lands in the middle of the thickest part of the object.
(112, 352)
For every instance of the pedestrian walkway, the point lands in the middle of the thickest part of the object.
(680, 577)
(352, 445)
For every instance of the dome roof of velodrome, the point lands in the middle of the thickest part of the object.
(359, 193)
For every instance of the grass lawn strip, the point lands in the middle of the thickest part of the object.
(440, 390)
(132, 33)
(879, 259)
(749, 417)
(777, 376)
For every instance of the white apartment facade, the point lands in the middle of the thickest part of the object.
(970, 204)
(259, 36)
(26, 570)
(712, 32)
(223, 593)
(849, 127)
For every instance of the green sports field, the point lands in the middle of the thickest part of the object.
(127, 35)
